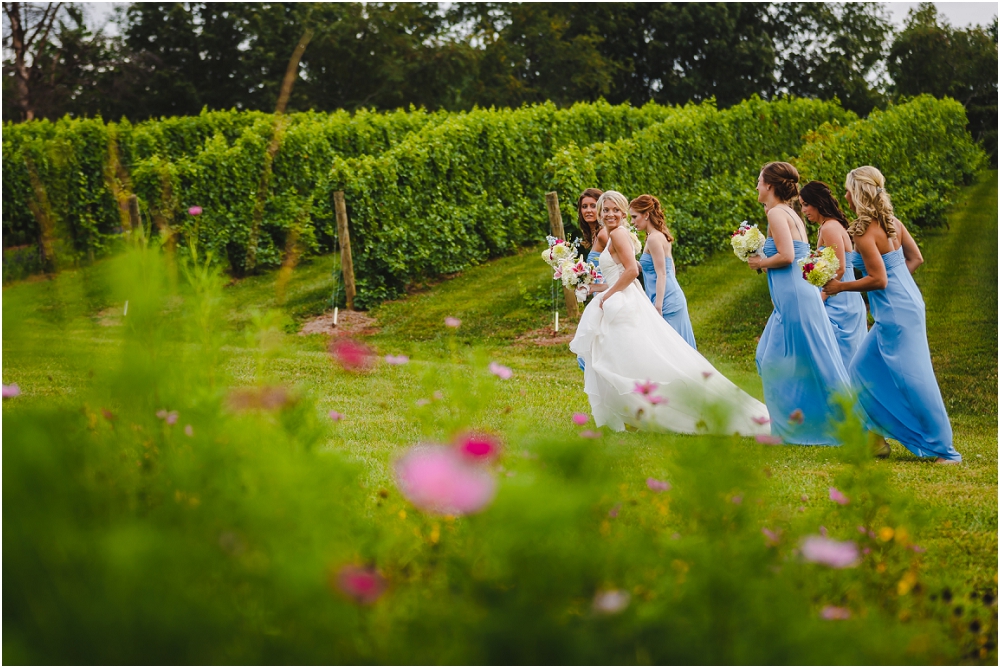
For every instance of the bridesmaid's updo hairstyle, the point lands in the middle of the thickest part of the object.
(818, 194)
(588, 232)
(871, 201)
(649, 204)
(783, 178)
(618, 199)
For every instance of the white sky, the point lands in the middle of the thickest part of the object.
(959, 14)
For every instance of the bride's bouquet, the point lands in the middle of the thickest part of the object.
(820, 266)
(577, 274)
(559, 251)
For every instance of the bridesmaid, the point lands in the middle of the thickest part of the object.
(892, 371)
(657, 264)
(847, 310)
(595, 237)
(797, 357)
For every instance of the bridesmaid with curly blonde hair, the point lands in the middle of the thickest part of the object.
(892, 371)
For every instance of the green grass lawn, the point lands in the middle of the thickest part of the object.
(56, 348)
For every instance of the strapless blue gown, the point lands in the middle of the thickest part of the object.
(798, 358)
(892, 370)
(848, 315)
(675, 306)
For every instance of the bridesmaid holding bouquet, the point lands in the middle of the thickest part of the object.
(797, 358)
(892, 371)
(846, 310)
(595, 237)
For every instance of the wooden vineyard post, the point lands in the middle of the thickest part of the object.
(133, 212)
(555, 222)
(346, 263)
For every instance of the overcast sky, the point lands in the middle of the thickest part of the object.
(959, 14)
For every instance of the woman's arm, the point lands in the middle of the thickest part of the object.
(777, 226)
(656, 251)
(877, 277)
(618, 238)
(911, 251)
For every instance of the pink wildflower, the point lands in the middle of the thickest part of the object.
(454, 323)
(822, 531)
(194, 211)
(11, 391)
(829, 552)
(803, 498)
(861, 529)
(796, 417)
(613, 513)
(917, 549)
(737, 499)
(707, 374)
(645, 389)
(656, 399)
(335, 416)
(761, 420)
(423, 402)
(438, 480)
(587, 433)
(396, 359)
(772, 538)
(833, 612)
(611, 602)
(170, 417)
(500, 371)
(838, 497)
(581, 418)
(478, 446)
(657, 485)
(351, 355)
(189, 430)
(767, 439)
(364, 585)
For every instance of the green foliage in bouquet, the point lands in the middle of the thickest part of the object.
(923, 148)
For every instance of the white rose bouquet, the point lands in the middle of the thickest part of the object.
(747, 240)
(820, 266)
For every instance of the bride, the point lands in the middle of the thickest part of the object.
(639, 370)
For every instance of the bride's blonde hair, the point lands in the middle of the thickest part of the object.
(871, 201)
(618, 199)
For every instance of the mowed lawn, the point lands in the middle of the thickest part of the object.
(502, 305)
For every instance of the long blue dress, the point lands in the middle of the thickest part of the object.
(848, 315)
(892, 371)
(675, 306)
(798, 358)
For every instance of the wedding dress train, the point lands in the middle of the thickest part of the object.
(640, 371)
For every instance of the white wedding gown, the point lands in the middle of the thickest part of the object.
(628, 343)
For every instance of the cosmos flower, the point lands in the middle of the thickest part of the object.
(439, 480)
(830, 552)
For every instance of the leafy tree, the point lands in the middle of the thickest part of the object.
(930, 56)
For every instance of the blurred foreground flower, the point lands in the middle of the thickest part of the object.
(796, 417)
(588, 433)
(761, 420)
(350, 354)
(439, 480)
(189, 430)
(772, 538)
(335, 416)
(829, 552)
(478, 446)
(657, 485)
(454, 323)
(258, 398)
(580, 418)
(834, 612)
(645, 389)
(767, 439)
(838, 497)
(10, 391)
(611, 602)
(364, 585)
(170, 417)
(396, 359)
(500, 371)
(194, 211)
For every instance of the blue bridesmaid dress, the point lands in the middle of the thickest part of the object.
(675, 306)
(892, 371)
(798, 358)
(848, 315)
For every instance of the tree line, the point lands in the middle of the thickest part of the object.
(177, 58)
